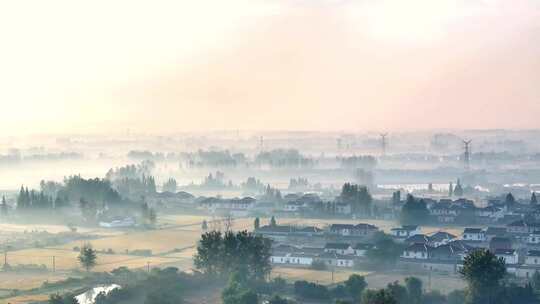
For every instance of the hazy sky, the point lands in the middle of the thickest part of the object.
(167, 66)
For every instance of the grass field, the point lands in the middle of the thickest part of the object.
(442, 283)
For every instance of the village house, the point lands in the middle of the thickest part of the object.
(510, 256)
(336, 260)
(339, 248)
(440, 237)
(361, 249)
(474, 234)
(500, 243)
(353, 230)
(405, 231)
(417, 251)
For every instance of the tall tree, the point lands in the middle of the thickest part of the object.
(87, 257)
(414, 290)
(534, 200)
(273, 222)
(483, 272)
(451, 190)
(414, 212)
(256, 223)
(4, 206)
(355, 285)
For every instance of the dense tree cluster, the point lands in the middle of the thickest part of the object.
(282, 158)
(414, 212)
(367, 162)
(358, 197)
(170, 185)
(33, 200)
(222, 254)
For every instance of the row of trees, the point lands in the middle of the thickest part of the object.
(27, 200)
(358, 197)
(224, 253)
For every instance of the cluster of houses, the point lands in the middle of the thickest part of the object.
(346, 245)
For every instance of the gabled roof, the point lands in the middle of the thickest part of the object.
(363, 246)
(405, 228)
(337, 246)
(498, 231)
(418, 238)
(365, 226)
(533, 253)
(341, 226)
(440, 236)
(504, 251)
(417, 247)
(472, 230)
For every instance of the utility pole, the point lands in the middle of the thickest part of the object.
(5, 258)
(54, 263)
(148, 267)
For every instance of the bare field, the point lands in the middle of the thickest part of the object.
(25, 281)
(319, 276)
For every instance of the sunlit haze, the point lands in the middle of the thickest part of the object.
(167, 66)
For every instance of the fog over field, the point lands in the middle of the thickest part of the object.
(270, 152)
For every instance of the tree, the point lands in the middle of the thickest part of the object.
(4, 207)
(458, 190)
(257, 223)
(237, 293)
(456, 297)
(535, 281)
(358, 197)
(398, 292)
(534, 200)
(451, 190)
(414, 211)
(355, 285)
(381, 296)
(87, 257)
(273, 222)
(278, 300)
(414, 290)
(152, 216)
(204, 225)
(509, 199)
(385, 252)
(483, 272)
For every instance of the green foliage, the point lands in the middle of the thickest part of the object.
(358, 197)
(310, 290)
(434, 297)
(355, 285)
(456, 297)
(170, 185)
(273, 222)
(483, 272)
(87, 257)
(257, 223)
(398, 292)
(414, 212)
(414, 290)
(385, 251)
(237, 293)
(381, 296)
(223, 254)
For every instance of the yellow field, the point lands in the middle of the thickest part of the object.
(25, 299)
(67, 259)
(23, 281)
